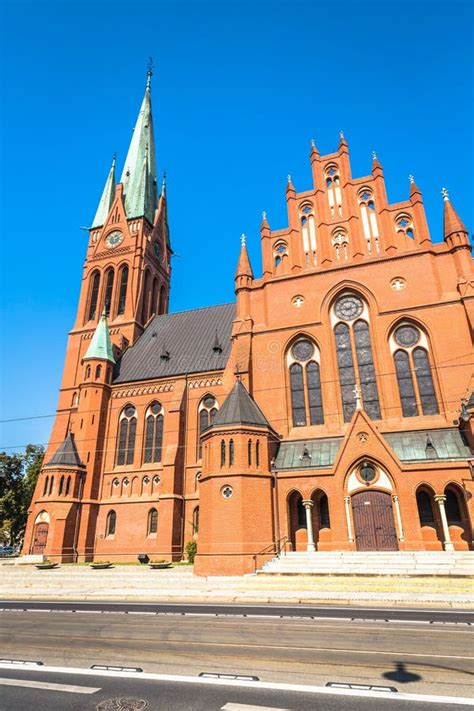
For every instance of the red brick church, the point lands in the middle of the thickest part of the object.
(328, 408)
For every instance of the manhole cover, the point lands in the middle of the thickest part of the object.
(122, 704)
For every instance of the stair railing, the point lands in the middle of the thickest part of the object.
(277, 548)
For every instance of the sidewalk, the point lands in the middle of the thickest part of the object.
(140, 583)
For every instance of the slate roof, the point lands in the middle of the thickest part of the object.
(67, 454)
(428, 445)
(239, 408)
(187, 336)
(322, 453)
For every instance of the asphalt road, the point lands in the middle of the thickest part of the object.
(418, 657)
(333, 611)
(22, 690)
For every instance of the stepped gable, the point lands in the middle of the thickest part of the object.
(179, 343)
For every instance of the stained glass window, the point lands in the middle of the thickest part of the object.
(152, 521)
(111, 523)
(297, 395)
(123, 290)
(346, 369)
(429, 403)
(365, 362)
(222, 453)
(153, 434)
(126, 436)
(405, 384)
(94, 295)
(109, 286)
(315, 400)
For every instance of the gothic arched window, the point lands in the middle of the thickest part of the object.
(153, 433)
(109, 288)
(231, 452)
(425, 508)
(111, 523)
(453, 510)
(152, 521)
(305, 384)
(353, 346)
(122, 299)
(412, 365)
(61, 485)
(207, 410)
(257, 453)
(45, 488)
(126, 435)
(68, 486)
(51, 485)
(94, 295)
(249, 453)
(324, 511)
(222, 452)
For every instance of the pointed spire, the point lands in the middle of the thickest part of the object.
(375, 162)
(101, 345)
(414, 189)
(264, 223)
(452, 221)
(342, 140)
(66, 455)
(107, 198)
(289, 184)
(139, 171)
(243, 265)
(314, 151)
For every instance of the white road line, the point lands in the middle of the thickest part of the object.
(49, 686)
(255, 685)
(246, 707)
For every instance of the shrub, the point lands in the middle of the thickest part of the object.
(191, 550)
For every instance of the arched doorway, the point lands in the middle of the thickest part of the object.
(428, 514)
(40, 537)
(373, 521)
(297, 522)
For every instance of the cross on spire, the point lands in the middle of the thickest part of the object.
(445, 194)
(411, 178)
(149, 73)
(243, 239)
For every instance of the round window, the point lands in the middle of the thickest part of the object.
(115, 482)
(367, 472)
(129, 411)
(209, 401)
(146, 480)
(227, 492)
(349, 307)
(407, 336)
(126, 482)
(156, 479)
(155, 408)
(302, 350)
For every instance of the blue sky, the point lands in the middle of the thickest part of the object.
(239, 90)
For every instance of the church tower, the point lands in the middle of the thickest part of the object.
(127, 269)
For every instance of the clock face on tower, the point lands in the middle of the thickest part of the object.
(114, 239)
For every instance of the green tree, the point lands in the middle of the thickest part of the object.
(18, 476)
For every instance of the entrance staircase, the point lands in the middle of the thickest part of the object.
(413, 563)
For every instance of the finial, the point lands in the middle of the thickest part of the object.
(288, 178)
(357, 397)
(374, 155)
(104, 313)
(264, 215)
(163, 183)
(341, 135)
(243, 239)
(114, 158)
(445, 194)
(411, 179)
(313, 143)
(149, 73)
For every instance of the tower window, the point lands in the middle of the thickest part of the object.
(94, 295)
(154, 422)
(109, 287)
(123, 290)
(222, 453)
(231, 452)
(152, 521)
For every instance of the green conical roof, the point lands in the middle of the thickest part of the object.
(101, 345)
(107, 198)
(139, 171)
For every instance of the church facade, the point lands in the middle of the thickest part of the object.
(328, 408)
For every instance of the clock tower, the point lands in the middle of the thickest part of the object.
(126, 274)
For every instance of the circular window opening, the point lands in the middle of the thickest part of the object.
(349, 307)
(303, 349)
(115, 482)
(367, 472)
(155, 408)
(156, 479)
(407, 336)
(227, 492)
(146, 480)
(209, 401)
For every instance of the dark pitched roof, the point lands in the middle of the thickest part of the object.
(67, 454)
(179, 343)
(240, 408)
(308, 454)
(423, 445)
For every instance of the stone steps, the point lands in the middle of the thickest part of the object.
(404, 563)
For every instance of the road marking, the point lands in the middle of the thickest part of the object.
(49, 686)
(271, 686)
(246, 707)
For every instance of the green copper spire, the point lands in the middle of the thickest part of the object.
(139, 171)
(107, 198)
(101, 345)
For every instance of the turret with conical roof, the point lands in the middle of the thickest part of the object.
(100, 347)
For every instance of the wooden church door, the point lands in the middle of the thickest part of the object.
(373, 521)
(39, 539)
